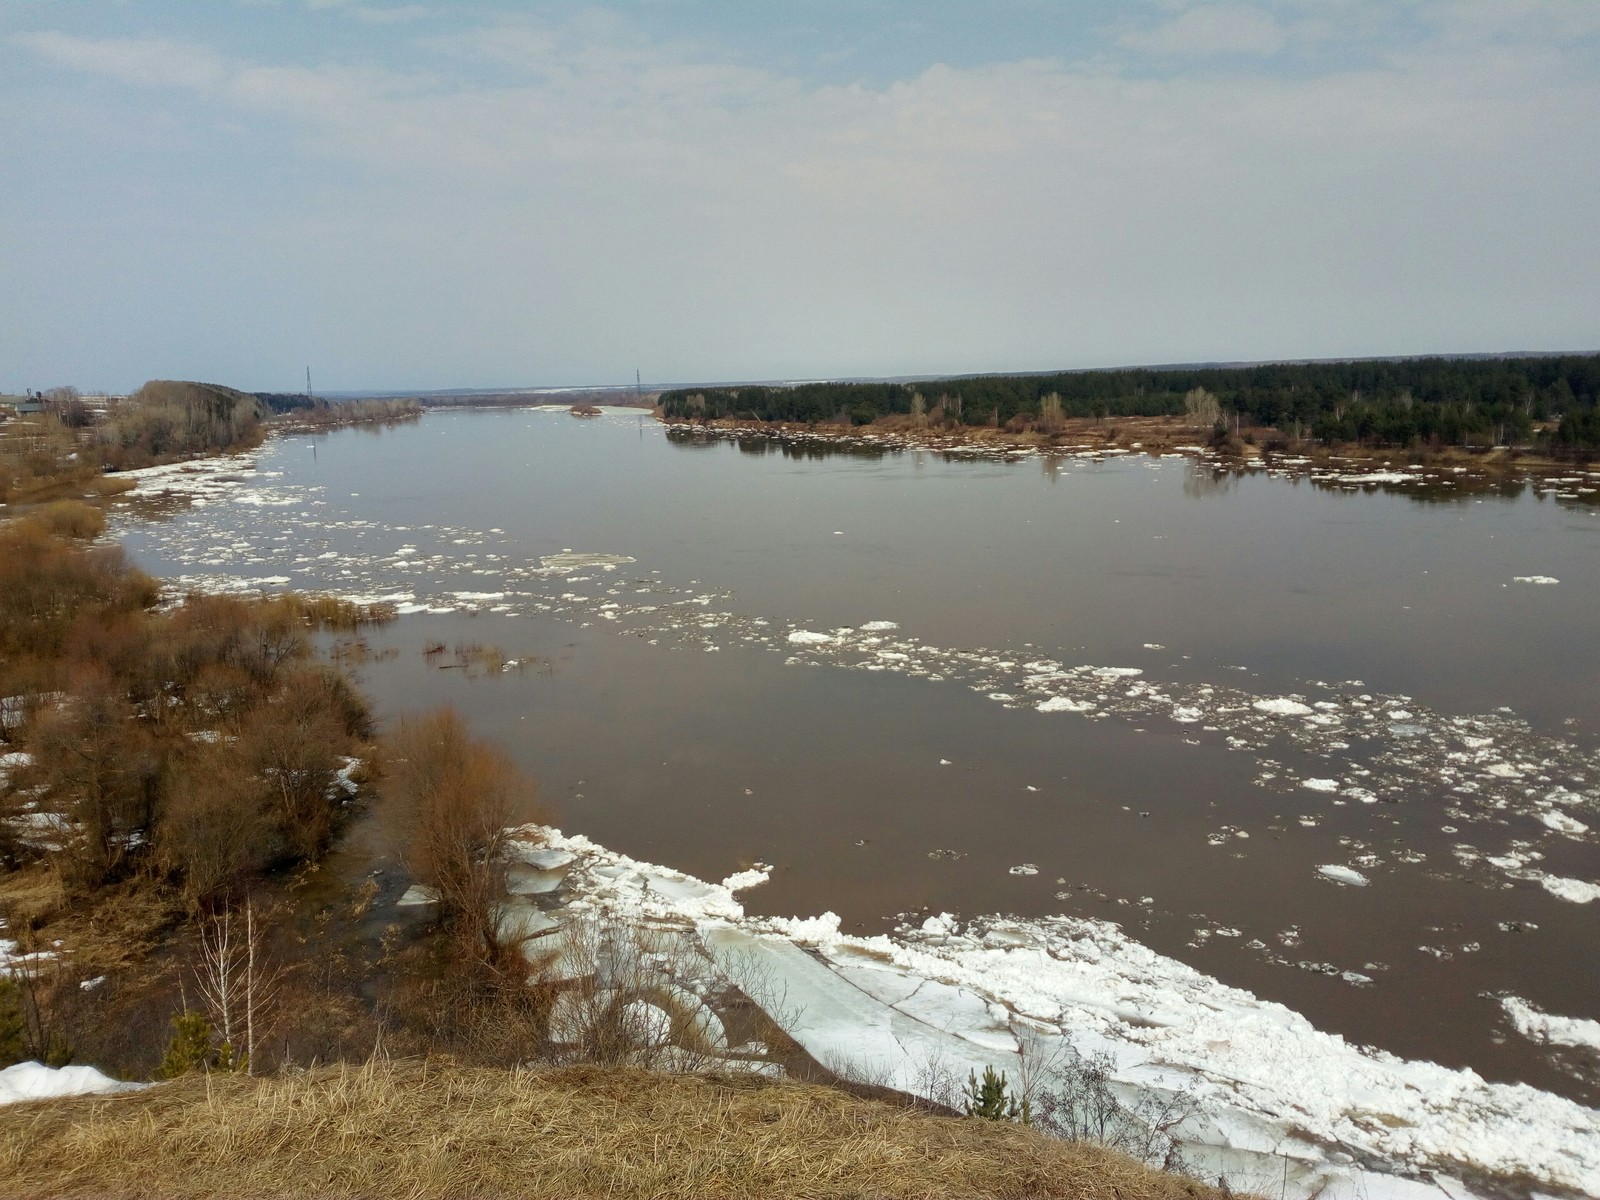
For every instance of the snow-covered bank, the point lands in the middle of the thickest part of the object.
(1278, 1099)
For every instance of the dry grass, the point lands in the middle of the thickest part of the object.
(420, 1130)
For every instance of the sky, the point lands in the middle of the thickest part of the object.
(427, 195)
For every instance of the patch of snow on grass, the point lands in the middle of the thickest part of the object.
(34, 1081)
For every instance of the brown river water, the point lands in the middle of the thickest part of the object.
(1131, 689)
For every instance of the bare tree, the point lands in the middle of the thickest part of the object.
(237, 986)
(1201, 407)
(1050, 412)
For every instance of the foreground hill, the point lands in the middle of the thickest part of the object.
(422, 1130)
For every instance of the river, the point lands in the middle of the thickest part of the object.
(1333, 740)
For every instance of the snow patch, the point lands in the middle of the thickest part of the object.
(34, 1081)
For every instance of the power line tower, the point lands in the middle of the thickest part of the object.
(308, 383)
(638, 384)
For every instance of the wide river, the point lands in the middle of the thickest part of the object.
(1327, 740)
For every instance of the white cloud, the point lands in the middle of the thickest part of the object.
(151, 62)
(1211, 30)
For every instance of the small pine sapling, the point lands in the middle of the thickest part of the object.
(991, 1099)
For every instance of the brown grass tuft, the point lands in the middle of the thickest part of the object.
(418, 1129)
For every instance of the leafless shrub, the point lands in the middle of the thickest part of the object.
(619, 998)
(91, 762)
(212, 832)
(453, 797)
(1076, 1101)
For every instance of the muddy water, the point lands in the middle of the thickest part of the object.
(684, 707)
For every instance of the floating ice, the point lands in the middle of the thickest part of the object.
(1575, 890)
(1539, 1026)
(1063, 704)
(1024, 869)
(1282, 707)
(1541, 579)
(1340, 874)
(1320, 785)
(568, 560)
(1562, 823)
(879, 626)
(807, 637)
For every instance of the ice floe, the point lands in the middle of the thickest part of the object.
(1282, 707)
(807, 637)
(1341, 874)
(1543, 1027)
(1575, 890)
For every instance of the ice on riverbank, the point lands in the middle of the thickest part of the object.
(1276, 1096)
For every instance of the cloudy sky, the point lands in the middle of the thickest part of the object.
(479, 194)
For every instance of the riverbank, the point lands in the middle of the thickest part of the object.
(1245, 448)
(1180, 1066)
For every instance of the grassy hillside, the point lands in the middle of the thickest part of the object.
(422, 1130)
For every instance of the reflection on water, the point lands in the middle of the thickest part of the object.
(1204, 480)
(840, 663)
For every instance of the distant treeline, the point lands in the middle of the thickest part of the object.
(611, 397)
(298, 409)
(1447, 401)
